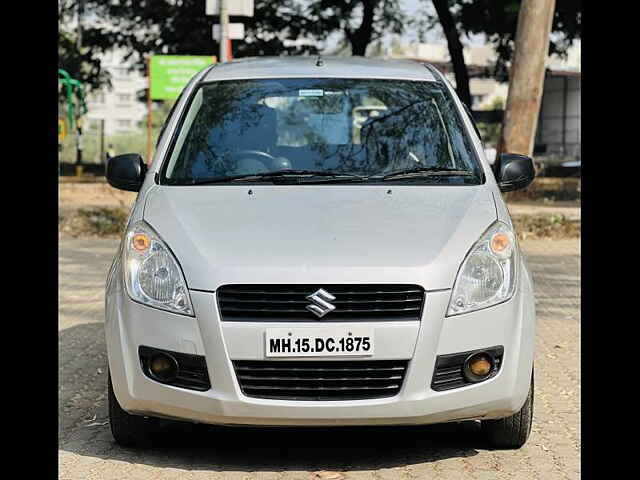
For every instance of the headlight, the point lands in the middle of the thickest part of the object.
(152, 274)
(487, 274)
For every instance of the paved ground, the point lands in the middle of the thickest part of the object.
(450, 451)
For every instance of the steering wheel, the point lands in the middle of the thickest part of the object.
(263, 157)
(269, 162)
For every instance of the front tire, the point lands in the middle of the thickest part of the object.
(511, 432)
(129, 430)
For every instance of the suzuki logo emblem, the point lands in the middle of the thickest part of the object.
(320, 303)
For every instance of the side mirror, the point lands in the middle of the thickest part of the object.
(126, 172)
(514, 172)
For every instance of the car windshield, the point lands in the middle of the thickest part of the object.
(365, 129)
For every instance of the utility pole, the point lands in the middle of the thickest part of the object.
(224, 31)
(526, 77)
(80, 7)
(78, 122)
(102, 151)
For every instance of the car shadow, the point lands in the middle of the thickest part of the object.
(313, 449)
(84, 430)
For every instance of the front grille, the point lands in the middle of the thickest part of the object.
(288, 303)
(320, 380)
(448, 372)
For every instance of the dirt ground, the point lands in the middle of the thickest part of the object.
(99, 194)
(570, 209)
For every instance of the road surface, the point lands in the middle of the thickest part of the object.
(450, 451)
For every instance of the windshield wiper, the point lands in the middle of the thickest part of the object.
(325, 177)
(284, 174)
(428, 172)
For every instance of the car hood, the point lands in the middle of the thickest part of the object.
(224, 234)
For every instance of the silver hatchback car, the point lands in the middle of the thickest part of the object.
(320, 242)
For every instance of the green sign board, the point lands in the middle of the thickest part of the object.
(170, 73)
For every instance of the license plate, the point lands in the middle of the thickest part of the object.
(319, 342)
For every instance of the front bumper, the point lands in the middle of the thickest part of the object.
(511, 324)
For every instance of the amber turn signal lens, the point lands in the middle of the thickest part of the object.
(499, 243)
(141, 242)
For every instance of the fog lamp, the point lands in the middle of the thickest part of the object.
(163, 367)
(478, 367)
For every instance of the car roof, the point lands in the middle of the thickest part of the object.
(310, 67)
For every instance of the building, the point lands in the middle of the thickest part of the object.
(118, 106)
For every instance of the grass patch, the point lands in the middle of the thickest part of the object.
(95, 221)
(547, 190)
(546, 226)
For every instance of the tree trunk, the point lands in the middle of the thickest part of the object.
(455, 50)
(526, 77)
(361, 37)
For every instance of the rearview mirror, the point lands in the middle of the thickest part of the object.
(126, 172)
(514, 172)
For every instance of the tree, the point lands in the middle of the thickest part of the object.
(144, 27)
(82, 65)
(497, 20)
(450, 30)
(278, 27)
(361, 21)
